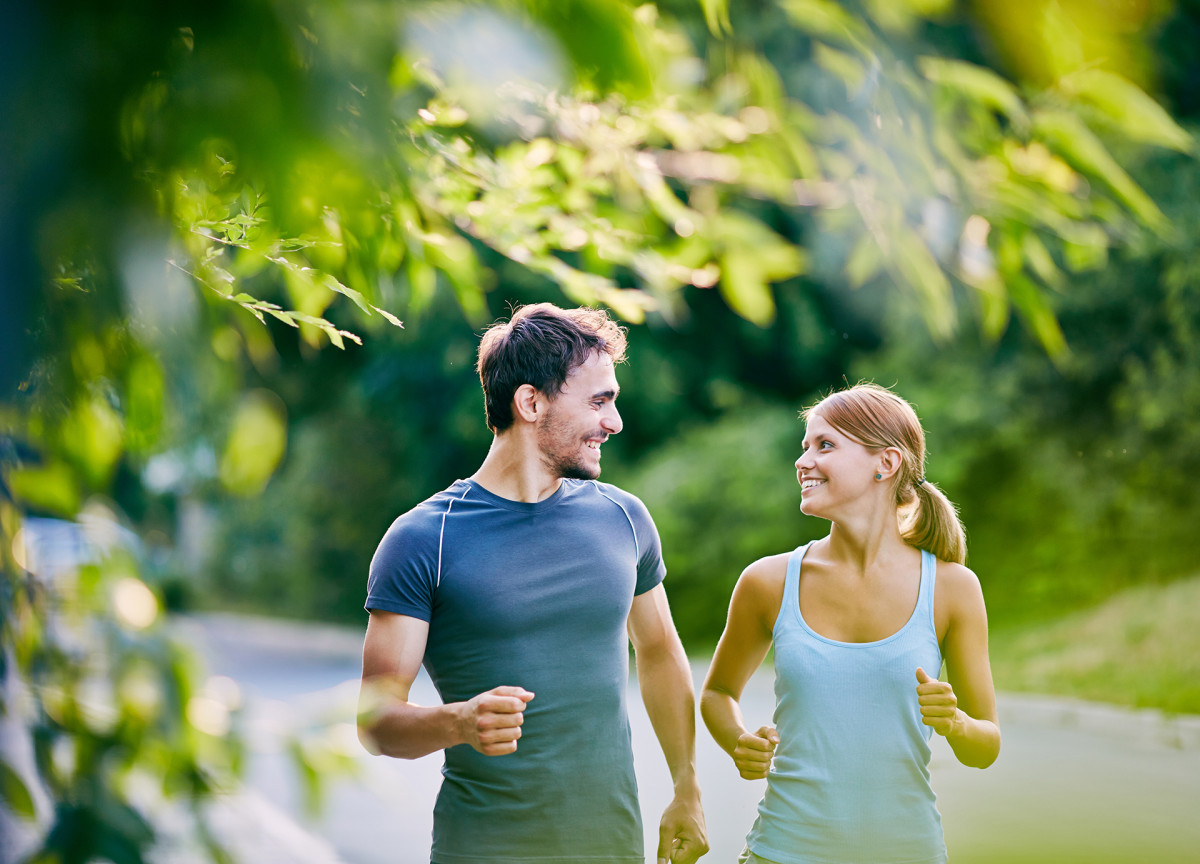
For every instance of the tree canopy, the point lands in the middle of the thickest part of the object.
(200, 199)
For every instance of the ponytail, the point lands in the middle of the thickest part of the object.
(931, 522)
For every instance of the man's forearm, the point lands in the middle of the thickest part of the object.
(665, 679)
(407, 731)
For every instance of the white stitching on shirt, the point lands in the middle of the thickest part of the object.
(636, 548)
(442, 533)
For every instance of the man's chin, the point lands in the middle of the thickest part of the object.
(578, 472)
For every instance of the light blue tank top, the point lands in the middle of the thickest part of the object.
(850, 778)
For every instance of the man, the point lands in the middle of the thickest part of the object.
(517, 588)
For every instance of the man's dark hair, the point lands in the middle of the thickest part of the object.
(540, 345)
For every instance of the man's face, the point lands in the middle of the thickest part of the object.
(580, 418)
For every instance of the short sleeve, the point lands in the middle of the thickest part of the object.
(651, 567)
(403, 575)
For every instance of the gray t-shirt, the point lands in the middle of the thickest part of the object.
(537, 596)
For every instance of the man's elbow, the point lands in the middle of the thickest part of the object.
(366, 737)
(380, 745)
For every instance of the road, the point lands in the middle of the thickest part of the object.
(1074, 782)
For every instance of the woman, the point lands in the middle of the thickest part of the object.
(859, 633)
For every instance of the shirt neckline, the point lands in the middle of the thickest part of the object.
(795, 604)
(479, 492)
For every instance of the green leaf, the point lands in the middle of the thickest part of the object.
(995, 313)
(847, 67)
(1042, 263)
(145, 388)
(93, 435)
(334, 285)
(975, 82)
(917, 266)
(1031, 303)
(389, 316)
(253, 310)
(285, 317)
(630, 304)
(716, 15)
(744, 288)
(1086, 249)
(256, 443)
(1080, 146)
(1129, 107)
(15, 794)
(828, 20)
(51, 486)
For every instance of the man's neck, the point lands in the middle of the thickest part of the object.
(514, 470)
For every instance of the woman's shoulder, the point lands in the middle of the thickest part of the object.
(958, 584)
(759, 590)
(768, 570)
(764, 577)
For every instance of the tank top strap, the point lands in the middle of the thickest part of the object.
(925, 592)
(788, 611)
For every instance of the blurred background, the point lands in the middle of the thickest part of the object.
(247, 250)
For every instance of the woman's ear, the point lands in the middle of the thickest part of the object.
(527, 403)
(890, 460)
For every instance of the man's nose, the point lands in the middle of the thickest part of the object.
(612, 421)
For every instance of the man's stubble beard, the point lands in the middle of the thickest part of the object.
(564, 466)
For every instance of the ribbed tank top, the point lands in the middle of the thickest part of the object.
(850, 778)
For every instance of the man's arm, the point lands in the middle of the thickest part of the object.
(389, 724)
(665, 680)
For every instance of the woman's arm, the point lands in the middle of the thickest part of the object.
(963, 708)
(752, 612)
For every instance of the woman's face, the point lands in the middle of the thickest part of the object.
(834, 469)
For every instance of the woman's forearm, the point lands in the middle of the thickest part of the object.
(723, 717)
(976, 743)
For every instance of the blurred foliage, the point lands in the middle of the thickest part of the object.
(1074, 481)
(198, 197)
(115, 715)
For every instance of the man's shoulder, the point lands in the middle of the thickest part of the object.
(606, 494)
(426, 517)
(606, 490)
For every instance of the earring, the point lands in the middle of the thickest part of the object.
(878, 476)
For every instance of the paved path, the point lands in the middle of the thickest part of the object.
(1074, 782)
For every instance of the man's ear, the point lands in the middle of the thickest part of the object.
(528, 402)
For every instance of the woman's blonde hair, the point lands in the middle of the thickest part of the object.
(878, 418)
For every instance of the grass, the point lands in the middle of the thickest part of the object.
(1140, 648)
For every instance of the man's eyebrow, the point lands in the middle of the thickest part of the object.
(607, 394)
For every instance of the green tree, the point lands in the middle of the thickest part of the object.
(199, 195)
